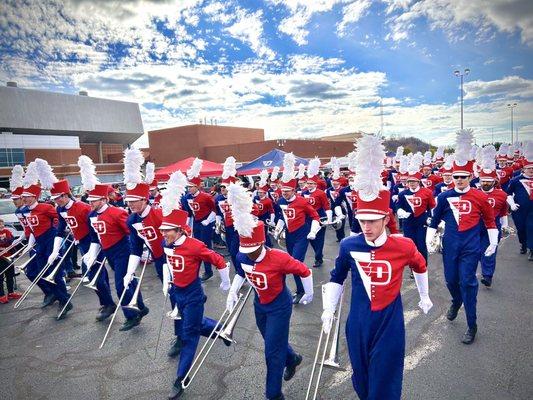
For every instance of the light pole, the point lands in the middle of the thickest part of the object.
(461, 75)
(511, 107)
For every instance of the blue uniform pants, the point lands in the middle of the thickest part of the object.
(523, 220)
(158, 263)
(205, 234)
(190, 301)
(268, 241)
(273, 321)
(460, 259)
(103, 290)
(318, 244)
(232, 242)
(117, 257)
(297, 247)
(417, 233)
(376, 345)
(340, 232)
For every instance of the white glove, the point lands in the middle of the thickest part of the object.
(403, 214)
(315, 227)
(232, 294)
(395, 198)
(225, 283)
(307, 283)
(31, 241)
(90, 257)
(329, 216)
(331, 293)
(504, 221)
(430, 234)
(493, 242)
(204, 222)
(422, 285)
(279, 228)
(210, 218)
(166, 279)
(338, 213)
(512, 204)
(133, 263)
(218, 224)
(55, 251)
(272, 219)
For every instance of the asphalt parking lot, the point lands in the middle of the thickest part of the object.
(41, 358)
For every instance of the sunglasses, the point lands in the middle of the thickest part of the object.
(459, 177)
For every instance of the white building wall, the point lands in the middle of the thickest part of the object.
(10, 141)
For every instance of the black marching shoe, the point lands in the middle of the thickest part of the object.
(530, 256)
(143, 313)
(205, 276)
(280, 397)
(176, 390)
(49, 299)
(129, 324)
(72, 275)
(523, 249)
(452, 312)
(296, 297)
(105, 312)
(291, 369)
(64, 313)
(175, 349)
(318, 263)
(487, 281)
(470, 335)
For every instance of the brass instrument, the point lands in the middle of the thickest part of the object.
(51, 276)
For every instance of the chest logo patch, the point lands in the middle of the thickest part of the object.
(71, 221)
(99, 227)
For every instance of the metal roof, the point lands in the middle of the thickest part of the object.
(34, 112)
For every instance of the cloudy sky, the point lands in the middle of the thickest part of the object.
(297, 68)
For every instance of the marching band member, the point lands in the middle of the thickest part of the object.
(110, 235)
(181, 283)
(223, 210)
(401, 181)
(75, 215)
(333, 194)
(520, 199)
(318, 200)
(504, 172)
(155, 196)
(265, 269)
(41, 222)
(264, 205)
(16, 186)
(438, 160)
(301, 179)
(393, 173)
(429, 180)
(298, 217)
(498, 201)
(462, 210)
(202, 207)
(274, 192)
(446, 174)
(375, 329)
(414, 207)
(6, 240)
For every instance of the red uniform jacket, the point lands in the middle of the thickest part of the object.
(110, 225)
(41, 218)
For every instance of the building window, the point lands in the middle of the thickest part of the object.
(11, 157)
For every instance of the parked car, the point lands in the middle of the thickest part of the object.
(7, 213)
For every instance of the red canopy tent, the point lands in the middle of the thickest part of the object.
(209, 168)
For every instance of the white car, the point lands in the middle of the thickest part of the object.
(7, 213)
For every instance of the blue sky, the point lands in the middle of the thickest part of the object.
(297, 68)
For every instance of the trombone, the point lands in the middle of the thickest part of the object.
(132, 305)
(39, 275)
(332, 360)
(92, 283)
(17, 255)
(11, 246)
(78, 286)
(50, 278)
(223, 329)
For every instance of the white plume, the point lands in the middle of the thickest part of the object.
(439, 153)
(488, 154)
(301, 171)
(32, 176)
(369, 165)
(133, 161)
(173, 192)
(504, 147)
(263, 178)
(335, 166)
(87, 173)
(240, 201)
(351, 161)
(463, 146)
(415, 163)
(528, 150)
(404, 165)
(46, 175)
(16, 177)
(150, 172)
(229, 168)
(275, 173)
(427, 158)
(448, 161)
(399, 153)
(313, 167)
(288, 167)
(510, 150)
(478, 154)
(196, 166)
(474, 152)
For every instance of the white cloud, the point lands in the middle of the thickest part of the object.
(352, 13)
(507, 87)
(248, 28)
